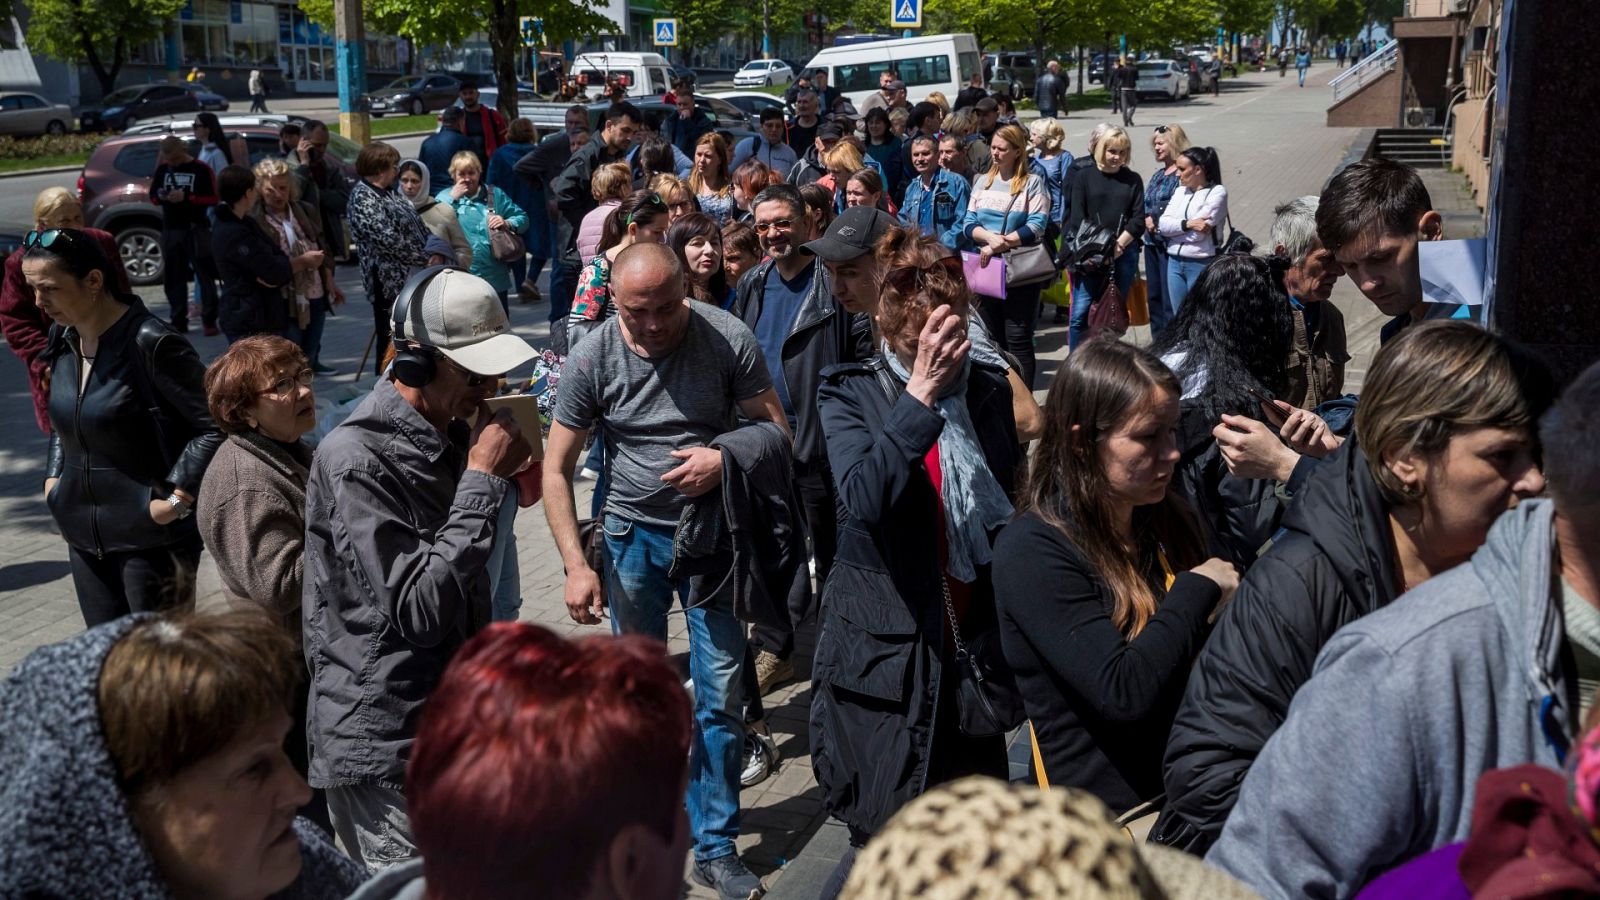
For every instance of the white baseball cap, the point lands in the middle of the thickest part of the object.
(459, 314)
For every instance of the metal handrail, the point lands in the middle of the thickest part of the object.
(1358, 76)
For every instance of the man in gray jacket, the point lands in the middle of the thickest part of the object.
(1383, 747)
(1050, 90)
(401, 508)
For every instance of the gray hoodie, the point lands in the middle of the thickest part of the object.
(1378, 759)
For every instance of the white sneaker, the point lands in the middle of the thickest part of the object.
(760, 758)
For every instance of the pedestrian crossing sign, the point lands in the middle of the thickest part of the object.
(906, 13)
(666, 32)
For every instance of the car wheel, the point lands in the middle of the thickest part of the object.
(417, 108)
(56, 126)
(377, 115)
(140, 248)
(768, 82)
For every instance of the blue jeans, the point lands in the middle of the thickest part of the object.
(1181, 275)
(1087, 288)
(563, 284)
(1155, 281)
(640, 594)
(505, 576)
(309, 338)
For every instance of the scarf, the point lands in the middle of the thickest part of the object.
(424, 197)
(974, 504)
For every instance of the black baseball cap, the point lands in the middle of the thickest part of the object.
(830, 131)
(987, 104)
(852, 234)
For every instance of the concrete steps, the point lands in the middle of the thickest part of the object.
(1420, 148)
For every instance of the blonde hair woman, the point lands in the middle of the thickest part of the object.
(1008, 209)
(26, 327)
(1109, 196)
(710, 182)
(675, 193)
(1167, 142)
(842, 160)
(297, 228)
(610, 186)
(482, 208)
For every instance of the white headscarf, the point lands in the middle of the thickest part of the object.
(424, 197)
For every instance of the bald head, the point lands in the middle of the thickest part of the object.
(647, 288)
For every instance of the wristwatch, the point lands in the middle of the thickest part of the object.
(183, 509)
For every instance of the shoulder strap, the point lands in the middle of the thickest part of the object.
(886, 380)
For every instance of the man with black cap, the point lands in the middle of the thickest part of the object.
(810, 168)
(788, 301)
(988, 110)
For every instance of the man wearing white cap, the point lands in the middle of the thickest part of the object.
(401, 508)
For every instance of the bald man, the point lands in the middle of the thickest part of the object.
(664, 377)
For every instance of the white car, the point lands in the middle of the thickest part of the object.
(763, 73)
(29, 114)
(1163, 77)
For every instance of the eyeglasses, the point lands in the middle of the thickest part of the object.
(655, 200)
(779, 225)
(46, 238)
(907, 281)
(1162, 129)
(286, 386)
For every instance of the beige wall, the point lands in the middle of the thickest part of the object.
(1375, 106)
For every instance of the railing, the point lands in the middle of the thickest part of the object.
(1366, 71)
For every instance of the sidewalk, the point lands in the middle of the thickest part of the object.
(1273, 147)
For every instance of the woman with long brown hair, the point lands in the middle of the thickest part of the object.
(710, 181)
(1096, 626)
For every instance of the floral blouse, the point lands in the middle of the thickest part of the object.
(389, 238)
(592, 302)
(718, 206)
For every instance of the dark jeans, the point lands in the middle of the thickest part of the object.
(814, 481)
(1155, 283)
(111, 586)
(186, 254)
(381, 307)
(1130, 105)
(1087, 288)
(258, 103)
(310, 337)
(563, 284)
(1011, 322)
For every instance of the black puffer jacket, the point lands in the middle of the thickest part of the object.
(140, 429)
(1333, 564)
(1237, 515)
(881, 729)
(254, 272)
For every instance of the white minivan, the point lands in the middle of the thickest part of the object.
(942, 63)
(642, 74)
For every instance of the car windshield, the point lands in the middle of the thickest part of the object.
(404, 84)
(756, 64)
(1153, 68)
(126, 95)
(343, 149)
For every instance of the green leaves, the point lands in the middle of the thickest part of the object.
(99, 31)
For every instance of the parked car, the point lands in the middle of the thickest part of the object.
(1207, 70)
(115, 186)
(490, 97)
(1097, 68)
(549, 118)
(1023, 67)
(1003, 81)
(23, 115)
(229, 123)
(413, 95)
(1163, 77)
(124, 107)
(763, 73)
(751, 103)
(209, 102)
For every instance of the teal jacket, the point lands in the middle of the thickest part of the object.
(473, 213)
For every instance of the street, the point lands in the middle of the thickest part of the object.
(1273, 147)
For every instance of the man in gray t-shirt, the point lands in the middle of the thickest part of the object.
(663, 377)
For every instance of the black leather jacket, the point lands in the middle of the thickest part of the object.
(140, 429)
(254, 272)
(823, 334)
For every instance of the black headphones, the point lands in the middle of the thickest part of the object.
(413, 366)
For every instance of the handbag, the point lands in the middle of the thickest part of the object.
(1139, 302)
(1108, 312)
(1091, 250)
(987, 699)
(1237, 243)
(504, 244)
(1029, 264)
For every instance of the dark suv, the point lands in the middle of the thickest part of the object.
(115, 187)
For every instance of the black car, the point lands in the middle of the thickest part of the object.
(724, 115)
(413, 95)
(1097, 68)
(124, 107)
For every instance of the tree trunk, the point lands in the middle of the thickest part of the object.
(505, 41)
(1080, 55)
(107, 78)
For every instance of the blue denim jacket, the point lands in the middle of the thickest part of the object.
(938, 209)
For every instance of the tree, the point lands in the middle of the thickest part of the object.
(451, 21)
(74, 30)
(700, 22)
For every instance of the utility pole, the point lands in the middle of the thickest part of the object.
(350, 45)
(766, 29)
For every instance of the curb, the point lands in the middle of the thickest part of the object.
(45, 171)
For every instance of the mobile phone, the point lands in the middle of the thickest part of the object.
(1269, 403)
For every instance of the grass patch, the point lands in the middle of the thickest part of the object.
(395, 124)
(1091, 99)
(48, 161)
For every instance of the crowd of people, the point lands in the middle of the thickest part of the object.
(1284, 635)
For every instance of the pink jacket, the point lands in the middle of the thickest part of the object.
(590, 229)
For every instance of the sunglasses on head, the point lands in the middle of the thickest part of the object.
(45, 239)
(1162, 129)
(909, 280)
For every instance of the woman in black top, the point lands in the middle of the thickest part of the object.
(1111, 196)
(132, 434)
(1099, 633)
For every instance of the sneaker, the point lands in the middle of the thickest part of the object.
(729, 877)
(321, 369)
(530, 293)
(211, 331)
(760, 758)
(1060, 316)
(771, 671)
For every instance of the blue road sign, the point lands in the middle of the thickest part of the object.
(666, 32)
(905, 13)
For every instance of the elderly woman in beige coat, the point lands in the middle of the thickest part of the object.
(439, 217)
(252, 502)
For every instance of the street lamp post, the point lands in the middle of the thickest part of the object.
(351, 49)
(766, 30)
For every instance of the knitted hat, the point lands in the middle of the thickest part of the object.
(983, 838)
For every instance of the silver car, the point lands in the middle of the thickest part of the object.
(30, 114)
(1165, 78)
